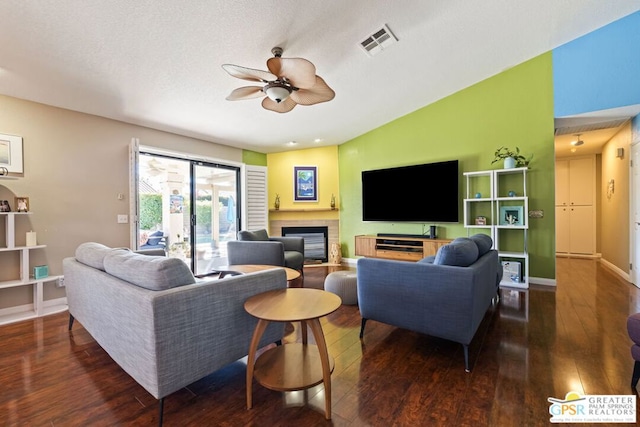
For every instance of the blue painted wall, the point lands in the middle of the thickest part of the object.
(600, 70)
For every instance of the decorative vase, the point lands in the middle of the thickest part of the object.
(333, 202)
(277, 203)
(509, 163)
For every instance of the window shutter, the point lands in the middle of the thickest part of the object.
(256, 214)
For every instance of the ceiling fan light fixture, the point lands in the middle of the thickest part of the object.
(577, 142)
(277, 91)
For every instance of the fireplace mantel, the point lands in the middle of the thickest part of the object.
(304, 210)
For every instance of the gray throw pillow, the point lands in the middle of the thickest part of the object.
(151, 272)
(462, 252)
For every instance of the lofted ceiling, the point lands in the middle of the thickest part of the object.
(157, 63)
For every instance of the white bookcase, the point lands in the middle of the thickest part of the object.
(39, 306)
(500, 197)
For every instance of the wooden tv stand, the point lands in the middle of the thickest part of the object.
(398, 247)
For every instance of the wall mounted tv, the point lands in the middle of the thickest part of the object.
(418, 193)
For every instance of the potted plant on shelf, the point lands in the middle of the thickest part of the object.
(511, 158)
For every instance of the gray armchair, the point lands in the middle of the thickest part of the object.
(256, 247)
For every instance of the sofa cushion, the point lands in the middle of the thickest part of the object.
(483, 242)
(462, 252)
(92, 254)
(150, 272)
(155, 237)
(253, 235)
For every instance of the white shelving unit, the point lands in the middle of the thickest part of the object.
(39, 306)
(487, 195)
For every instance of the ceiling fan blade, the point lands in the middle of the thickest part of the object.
(245, 73)
(282, 107)
(300, 72)
(245, 92)
(321, 92)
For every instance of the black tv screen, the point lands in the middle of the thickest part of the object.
(418, 193)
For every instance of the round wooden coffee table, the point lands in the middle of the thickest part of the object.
(293, 276)
(294, 366)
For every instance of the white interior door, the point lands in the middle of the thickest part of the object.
(635, 214)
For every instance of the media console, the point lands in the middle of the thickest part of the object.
(397, 246)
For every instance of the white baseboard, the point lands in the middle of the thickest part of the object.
(351, 262)
(616, 269)
(542, 281)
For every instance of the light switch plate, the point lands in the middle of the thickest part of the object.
(123, 219)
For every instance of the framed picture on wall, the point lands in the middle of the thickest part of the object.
(305, 183)
(11, 153)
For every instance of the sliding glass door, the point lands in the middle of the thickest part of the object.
(188, 208)
(216, 216)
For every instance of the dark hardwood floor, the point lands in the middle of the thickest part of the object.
(536, 344)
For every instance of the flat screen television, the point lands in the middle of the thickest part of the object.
(418, 193)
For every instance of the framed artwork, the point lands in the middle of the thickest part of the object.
(11, 153)
(511, 215)
(481, 220)
(22, 204)
(305, 184)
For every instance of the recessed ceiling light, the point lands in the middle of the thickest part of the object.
(292, 143)
(317, 140)
(573, 150)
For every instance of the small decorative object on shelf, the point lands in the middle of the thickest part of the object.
(4, 171)
(511, 270)
(511, 215)
(511, 158)
(511, 193)
(333, 202)
(4, 206)
(22, 204)
(478, 195)
(481, 220)
(40, 271)
(276, 205)
(31, 238)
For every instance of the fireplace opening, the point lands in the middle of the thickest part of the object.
(315, 242)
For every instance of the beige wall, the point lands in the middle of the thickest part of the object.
(74, 167)
(614, 221)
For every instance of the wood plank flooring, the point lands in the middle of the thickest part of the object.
(536, 344)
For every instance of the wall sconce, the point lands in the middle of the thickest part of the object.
(620, 153)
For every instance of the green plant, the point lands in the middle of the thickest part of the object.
(504, 152)
(150, 211)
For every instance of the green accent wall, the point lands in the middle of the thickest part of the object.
(513, 108)
(254, 158)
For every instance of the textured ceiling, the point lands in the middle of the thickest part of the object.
(157, 63)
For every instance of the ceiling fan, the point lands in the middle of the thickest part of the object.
(289, 82)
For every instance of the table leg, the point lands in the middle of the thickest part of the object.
(316, 328)
(251, 359)
(303, 331)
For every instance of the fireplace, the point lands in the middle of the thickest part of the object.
(315, 241)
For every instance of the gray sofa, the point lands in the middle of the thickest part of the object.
(446, 295)
(164, 327)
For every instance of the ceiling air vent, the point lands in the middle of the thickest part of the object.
(378, 41)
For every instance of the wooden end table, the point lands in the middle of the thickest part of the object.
(294, 366)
